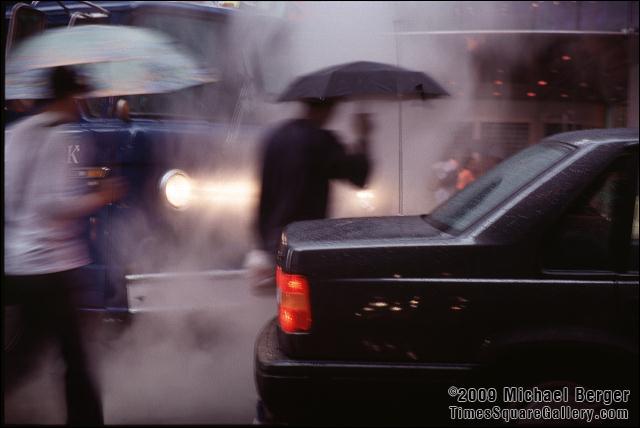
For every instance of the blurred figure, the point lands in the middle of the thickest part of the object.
(446, 173)
(44, 242)
(299, 159)
(471, 168)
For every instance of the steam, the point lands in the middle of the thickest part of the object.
(180, 367)
(259, 57)
(166, 355)
(158, 369)
(23, 406)
(165, 358)
(352, 31)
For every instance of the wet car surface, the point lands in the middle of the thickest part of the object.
(527, 277)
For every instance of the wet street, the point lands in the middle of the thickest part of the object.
(185, 358)
(446, 194)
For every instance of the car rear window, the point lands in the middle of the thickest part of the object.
(492, 189)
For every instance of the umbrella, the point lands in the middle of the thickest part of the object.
(117, 60)
(363, 79)
(367, 79)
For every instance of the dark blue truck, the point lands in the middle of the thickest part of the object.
(188, 156)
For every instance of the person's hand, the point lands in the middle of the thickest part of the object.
(112, 189)
(363, 125)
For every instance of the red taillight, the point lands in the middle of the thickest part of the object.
(294, 310)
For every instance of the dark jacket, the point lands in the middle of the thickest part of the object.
(299, 160)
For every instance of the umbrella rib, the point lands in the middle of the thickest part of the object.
(329, 81)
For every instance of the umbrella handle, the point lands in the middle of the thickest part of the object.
(363, 125)
(362, 107)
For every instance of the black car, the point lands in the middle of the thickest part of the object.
(526, 278)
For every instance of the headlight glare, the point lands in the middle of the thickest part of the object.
(177, 188)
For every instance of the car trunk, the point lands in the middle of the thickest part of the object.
(398, 290)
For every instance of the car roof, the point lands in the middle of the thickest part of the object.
(596, 136)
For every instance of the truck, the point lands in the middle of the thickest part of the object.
(202, 137)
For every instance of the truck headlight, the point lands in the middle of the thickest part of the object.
(177, 188)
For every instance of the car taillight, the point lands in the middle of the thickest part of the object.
(294, 310)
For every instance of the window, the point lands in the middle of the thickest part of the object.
(633, 261)
(589, 236)
(634, 228)
(202, 39)
(509, 137)
(25, 22)
(490, 190)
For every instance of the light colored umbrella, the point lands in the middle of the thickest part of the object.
(116, 60)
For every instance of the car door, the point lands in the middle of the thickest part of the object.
(628, 281)
(585, 254)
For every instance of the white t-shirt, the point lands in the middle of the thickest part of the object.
(41, 181)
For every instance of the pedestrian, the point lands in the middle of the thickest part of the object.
(446, 177)
(299, 160)
(470, 170)
(45, 247)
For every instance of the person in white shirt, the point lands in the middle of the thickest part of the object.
(44, 243)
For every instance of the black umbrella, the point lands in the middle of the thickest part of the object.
(363, 79)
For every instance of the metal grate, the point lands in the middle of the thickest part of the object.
(509, 137)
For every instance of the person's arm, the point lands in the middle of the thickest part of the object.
(68, 196)
(355, 166)
(110, 190)
(363, 127)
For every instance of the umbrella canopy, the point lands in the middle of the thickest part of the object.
(363, 79)
(116, 60)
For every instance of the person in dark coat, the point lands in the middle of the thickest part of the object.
(299, 160)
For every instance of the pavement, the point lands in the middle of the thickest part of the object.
(185, 357)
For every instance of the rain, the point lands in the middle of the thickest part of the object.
(184, 351)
